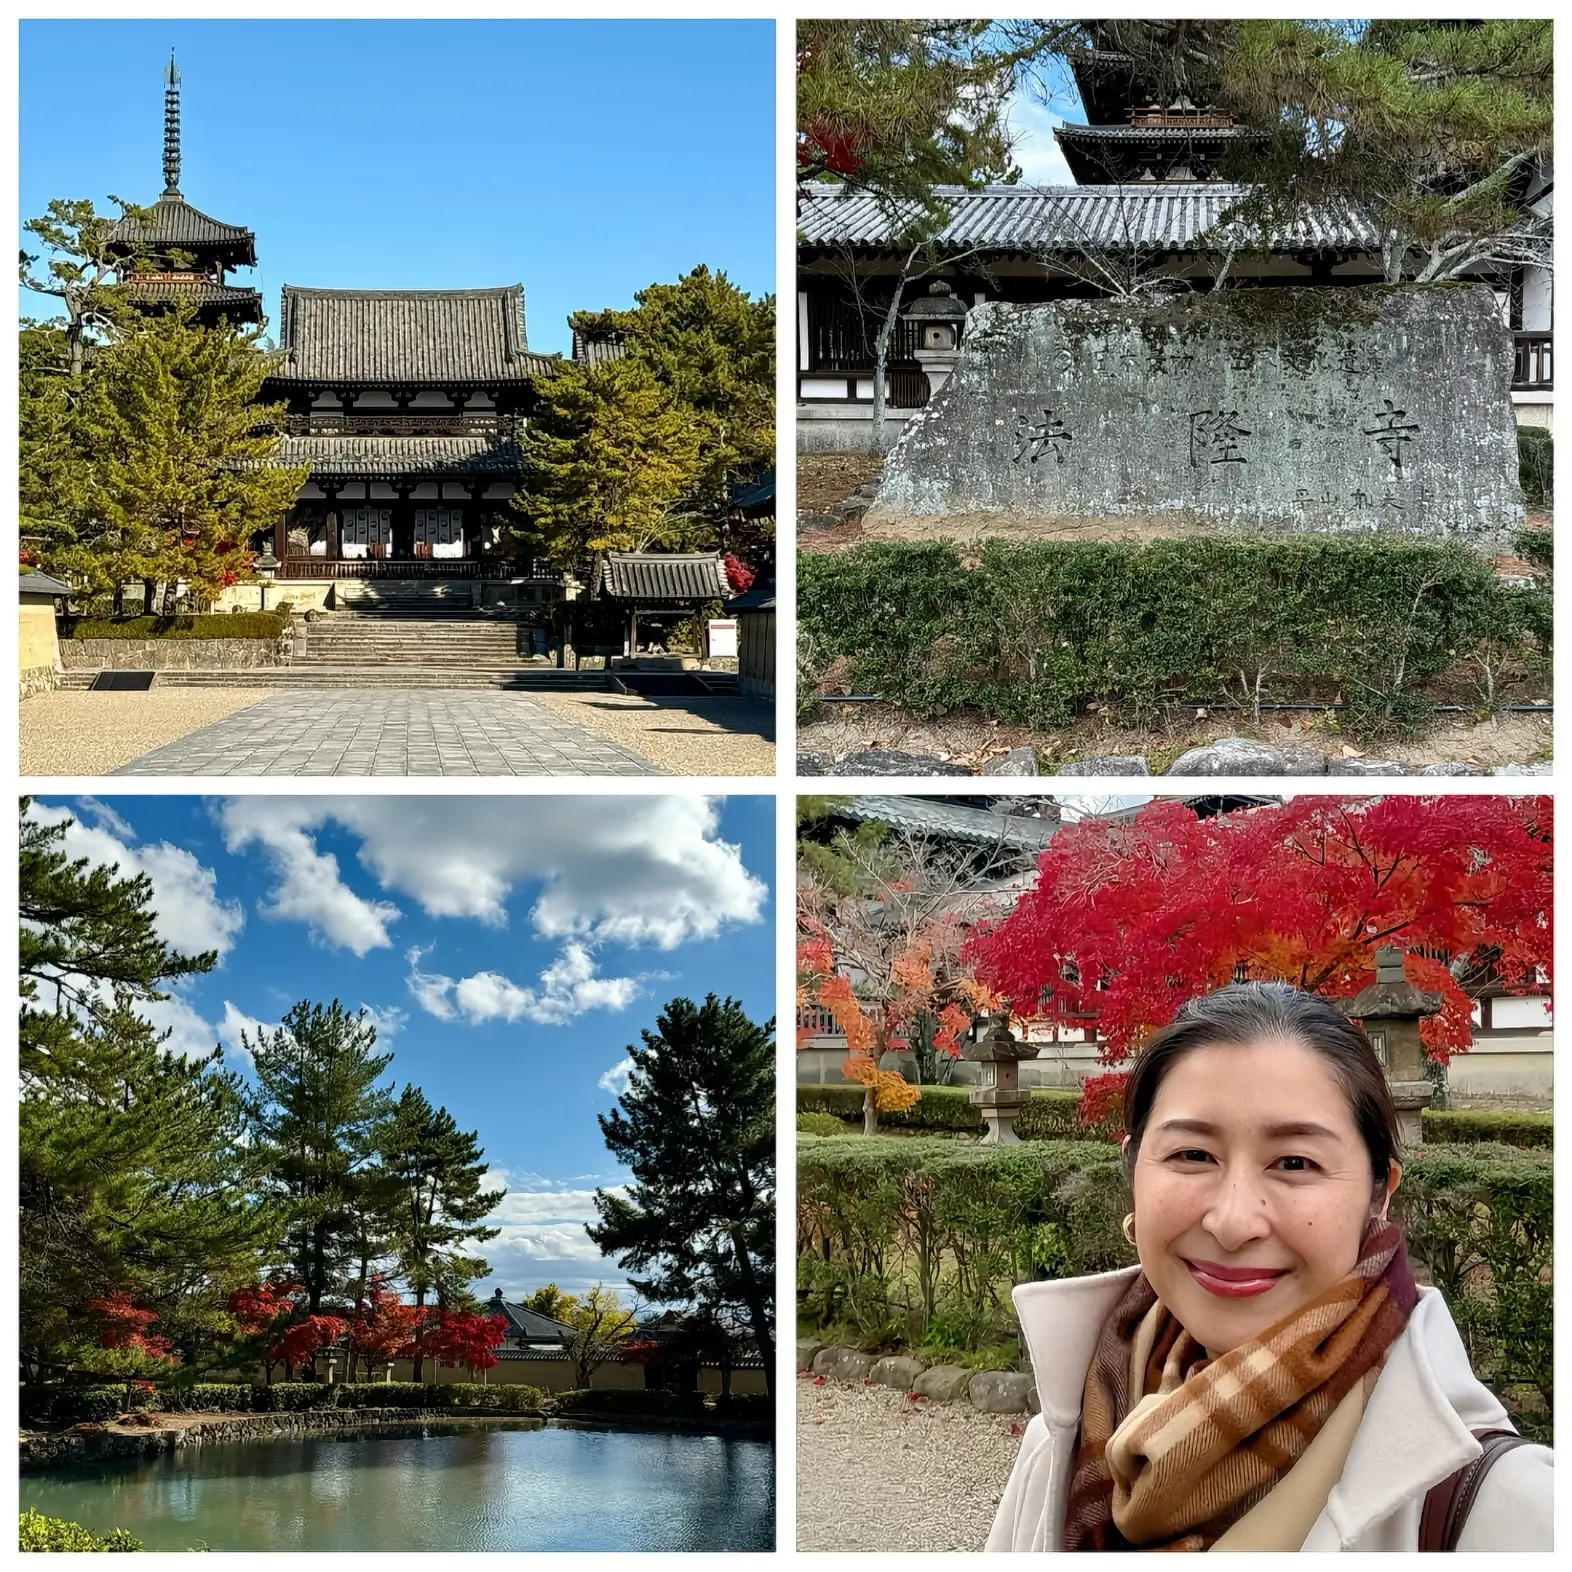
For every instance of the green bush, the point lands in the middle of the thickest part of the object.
(209, 1397)
(53, 1533)
(899, 1237)
(234, 625)
(1034, 632)
(1536, 465)
(1452, 1126)
(63, 1404)
(1481, 1219)
(1048, 1116)
(437, 1395)
(820, 1124)
(631, 1403)
(294, 1397)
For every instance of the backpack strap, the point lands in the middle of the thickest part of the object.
(1448, 1504)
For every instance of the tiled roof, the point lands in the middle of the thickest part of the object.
(420, 336)
(949, 821)
(201, 294)
(663, 576)
(36, 583)
(526, 1323)
(761, 597)
(1176, 217)
(1128, 133)
(172, 223)
(475, 455)
(597, 351)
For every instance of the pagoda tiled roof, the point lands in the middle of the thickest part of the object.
(360, 456)
(1138, 133)
(1188, 216)
(665, 576)
(419, 337)
(597, 351)
(154, 291)
(171, 223)
(948, 821)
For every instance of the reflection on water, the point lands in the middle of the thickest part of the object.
(518, 1485)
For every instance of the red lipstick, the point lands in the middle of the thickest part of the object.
(1235, 1282)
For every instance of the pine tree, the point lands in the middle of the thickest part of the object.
(316, 1118)
(178, 454)
(611, 456)
(134, 1177)
(697, 1128)
(438, 1206)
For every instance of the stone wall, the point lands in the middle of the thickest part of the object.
(173, 654)
(1248, 411)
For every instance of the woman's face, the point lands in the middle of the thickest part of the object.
(1252, 1188)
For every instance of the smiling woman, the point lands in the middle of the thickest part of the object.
(1269, 1377)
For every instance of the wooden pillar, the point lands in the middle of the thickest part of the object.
(281, 535)
(633, 631)
(402, 547)
(332, 545)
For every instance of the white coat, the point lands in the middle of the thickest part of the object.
(1414, 1432)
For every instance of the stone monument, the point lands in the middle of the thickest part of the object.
(1249, 411)
(1390, 1011)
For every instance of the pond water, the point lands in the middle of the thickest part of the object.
(512, 1485)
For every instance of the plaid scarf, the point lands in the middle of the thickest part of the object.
(1206, 1440)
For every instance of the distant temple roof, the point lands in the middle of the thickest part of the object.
(1177, 217)
(528, 1324)
(597, 351)
(663, 576)
(171, 223)
(415, 336)
(952, 822)
(356, 456)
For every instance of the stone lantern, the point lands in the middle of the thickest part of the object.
(938, 317)
(1390, 1011)
(999, 1094)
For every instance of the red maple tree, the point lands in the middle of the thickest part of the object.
(122, 1324)
(460, 1337)
(302, 1341)
(386, 1327)
(1131, 917)
(738, 574)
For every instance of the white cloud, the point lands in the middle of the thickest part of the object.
(309, 889)
(191, 1035)
(615, 1080)
(236, 1022)
(635, 870)
(188, 913)
(542, 1238)
(567, 988)
(1034, 146)
(389, 1021)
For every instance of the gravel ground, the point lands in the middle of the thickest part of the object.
(688, 736)
(94, 733)
(878, 1472)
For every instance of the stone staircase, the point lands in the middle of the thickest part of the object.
(418, 597)
(452, 643)
(298, 678)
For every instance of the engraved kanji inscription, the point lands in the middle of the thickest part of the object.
(1034, 438)
(1214, 437)
(1392, 429)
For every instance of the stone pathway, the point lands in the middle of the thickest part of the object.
(374, 732)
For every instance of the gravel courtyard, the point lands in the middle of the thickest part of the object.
(876, 1471)
(95, 733)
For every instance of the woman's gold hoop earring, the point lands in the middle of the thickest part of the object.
(1127, 1228)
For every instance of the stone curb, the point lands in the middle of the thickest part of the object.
(988, 1391)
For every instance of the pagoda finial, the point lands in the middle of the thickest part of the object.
(172, 128)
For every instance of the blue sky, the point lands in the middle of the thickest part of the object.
(585, 159)
(510, 948)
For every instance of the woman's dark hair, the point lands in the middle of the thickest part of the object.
(1245, 1013)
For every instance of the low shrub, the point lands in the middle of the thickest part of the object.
(1034, 632)
(631, 1403)
(820, 1124)
(1536, 450)
(233, 625)
(294, 1397)
(437, 1395)
(1456, 1126)
(54, 1533)
(1481, 1219)
(1048, 1116)
(64, 1404)
(209, 1397)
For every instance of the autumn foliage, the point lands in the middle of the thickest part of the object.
(1131, 917)
(386, 1327)
(456, 1337)
(123, 1325)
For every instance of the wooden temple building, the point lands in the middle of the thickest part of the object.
(1152, 195)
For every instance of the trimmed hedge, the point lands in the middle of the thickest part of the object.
(631, 1403)
(1033, 632)
(745, 1405)
(434, 1395)
(207, 1397)
(1049, 1116)
(63, 1404)
(38, 1532)
(920, 1241)
(1455, 1126)
(820, 1124)
(215, 625)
